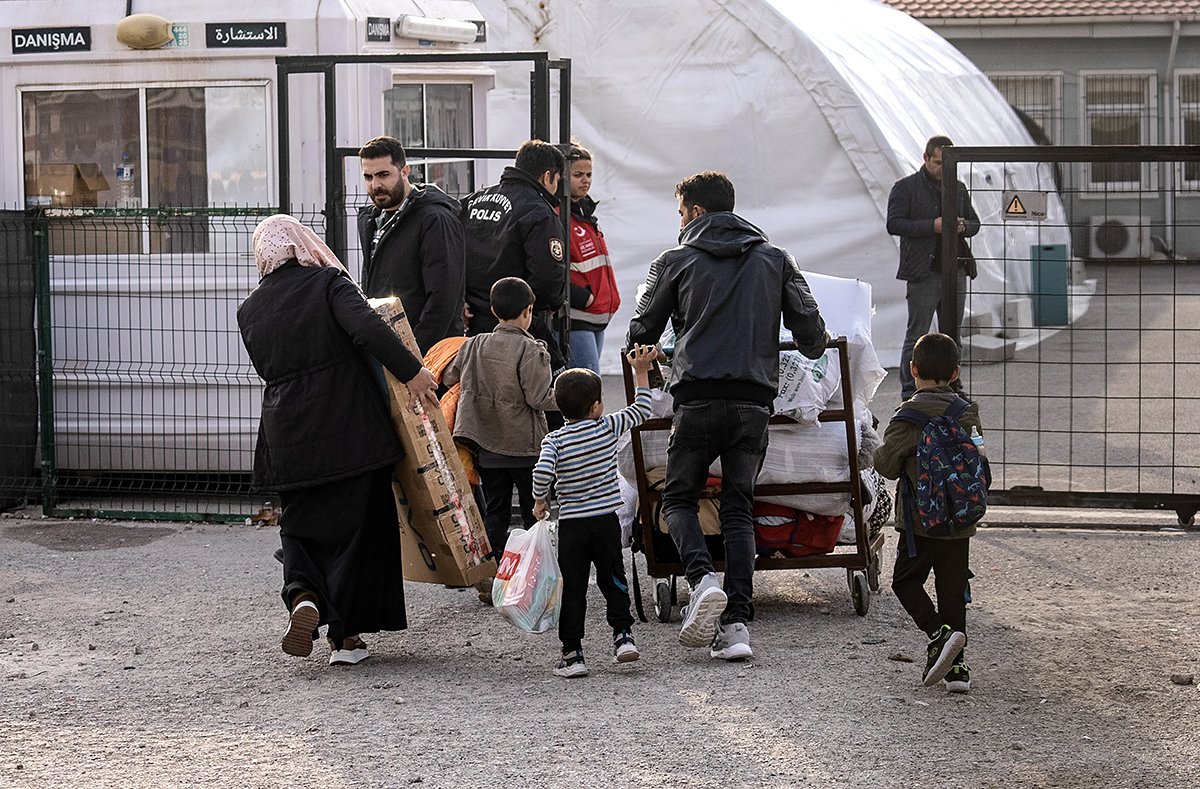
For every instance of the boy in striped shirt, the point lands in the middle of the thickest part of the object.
(580, 460)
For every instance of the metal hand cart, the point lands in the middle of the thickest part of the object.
(862, 565)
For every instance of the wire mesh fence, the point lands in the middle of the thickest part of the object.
(149, 404)
(1081, 339)
(125, 390)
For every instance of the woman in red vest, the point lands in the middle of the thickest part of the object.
(594, 296)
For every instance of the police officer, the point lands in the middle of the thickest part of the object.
(513, 230)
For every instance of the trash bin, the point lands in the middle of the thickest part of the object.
(1048, 276)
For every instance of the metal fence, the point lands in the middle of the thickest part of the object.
(125, 390)
(148, 402)
(1081, 341)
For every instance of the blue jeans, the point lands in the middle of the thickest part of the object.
(585, 348)
(702, 431)
(923, 297)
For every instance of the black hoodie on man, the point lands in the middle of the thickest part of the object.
(724, 289)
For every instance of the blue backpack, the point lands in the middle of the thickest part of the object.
(952, 476)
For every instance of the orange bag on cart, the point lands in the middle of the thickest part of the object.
(792, 533)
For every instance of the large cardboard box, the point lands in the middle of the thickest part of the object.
(442, 538)
(63, 185)
(77, 185)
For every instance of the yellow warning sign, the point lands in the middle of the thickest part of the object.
(1024, 206)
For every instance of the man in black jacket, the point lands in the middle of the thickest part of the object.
(914, 213)
(412, 244)
(513, 230)
(723, 290)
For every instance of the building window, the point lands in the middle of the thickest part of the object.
(1188, 90)
(434, 115)
(193, 147)
(82, 147)
(1038, 100)
(204, 146)
(1118, 109)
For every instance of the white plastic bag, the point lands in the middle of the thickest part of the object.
(528, 586)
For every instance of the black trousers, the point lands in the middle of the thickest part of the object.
(948, 560)
(498, 484)
(583, 542)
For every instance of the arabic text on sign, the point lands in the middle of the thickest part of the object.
(246, 34)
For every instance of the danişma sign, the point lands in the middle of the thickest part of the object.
(379, 28)
(40, 40)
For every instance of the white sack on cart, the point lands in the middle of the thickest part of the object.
(805, 453)
(806, 385)
(797, 453)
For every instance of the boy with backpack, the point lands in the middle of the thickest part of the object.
(579, 460)
(933, 447)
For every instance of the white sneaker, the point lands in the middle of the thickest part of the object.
(703, 612)
(624, 647)
(571, 665)
(732, 642)
(349, 657)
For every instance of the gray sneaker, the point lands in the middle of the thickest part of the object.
(703, 612)
(732, 642)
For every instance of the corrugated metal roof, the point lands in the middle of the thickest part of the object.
(984, 9)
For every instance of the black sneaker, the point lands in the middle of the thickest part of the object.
(624, 648)
(571, 665)
(959, 678)
(942, 650)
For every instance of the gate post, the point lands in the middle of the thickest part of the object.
(45, 357)
(947, 307)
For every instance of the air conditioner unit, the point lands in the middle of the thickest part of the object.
(1120, 237)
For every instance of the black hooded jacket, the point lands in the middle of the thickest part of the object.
(420, 258)
(723, 289)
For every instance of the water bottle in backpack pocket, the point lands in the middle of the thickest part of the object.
(952, 474)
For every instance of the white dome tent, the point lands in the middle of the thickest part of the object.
(814, 109)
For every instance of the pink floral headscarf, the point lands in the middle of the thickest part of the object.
(279, 238)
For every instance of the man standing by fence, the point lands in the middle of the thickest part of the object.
(723, 289)
(412, 244)
(914, 213)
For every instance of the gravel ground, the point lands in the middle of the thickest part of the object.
(146, 655)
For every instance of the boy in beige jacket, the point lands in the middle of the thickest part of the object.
(506, 389)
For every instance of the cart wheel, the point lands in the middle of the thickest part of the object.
(860, 592)
(1187, 516)
(662, 601)
(873, 572)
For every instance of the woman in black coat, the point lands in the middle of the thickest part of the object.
(326, 442)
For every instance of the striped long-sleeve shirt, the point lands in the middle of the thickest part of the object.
(580, 458)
